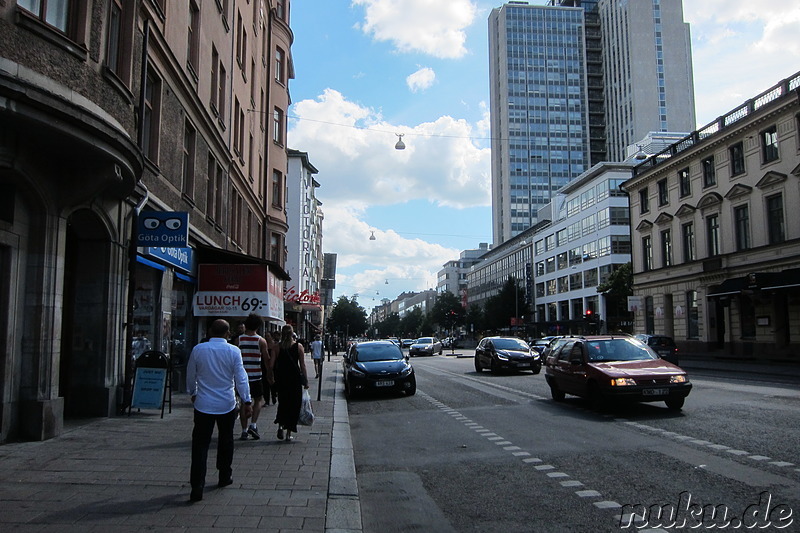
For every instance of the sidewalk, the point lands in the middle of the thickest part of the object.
(131, 474)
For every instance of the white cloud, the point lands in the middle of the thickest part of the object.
(751, 45)
(432, 27)
(421, 79)
(353, 148)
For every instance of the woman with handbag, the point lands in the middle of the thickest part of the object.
(291, 379)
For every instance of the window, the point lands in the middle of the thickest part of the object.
(775, 225)
(769, 144)
(620, 244)
(211, 184)
(189, 134)
(280, 9)
(736, 155)
(114, 44)
(214, 79)
(712, 235)
(647, 253)
(219, 189)
(277, 126)
(692, 315)
(550, 265)
(644, 201)
(687, 235)
(277, 189)
(236, 146)
(280, 66)
(193, 37)
(709, 172)
(666, 248)
(240, 40)
(221, 92)
(620, 216)
(663, 193)
(539, 268)
(741, 220)
(56, 13)
(685, 182)
(561, 260)
(152, 117)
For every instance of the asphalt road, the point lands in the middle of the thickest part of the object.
(493, 453)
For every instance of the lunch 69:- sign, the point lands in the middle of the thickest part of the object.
(238, 290)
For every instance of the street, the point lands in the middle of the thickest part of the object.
(484, 452)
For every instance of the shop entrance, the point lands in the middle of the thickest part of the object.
(85, 320)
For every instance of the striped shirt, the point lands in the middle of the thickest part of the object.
(251, 355)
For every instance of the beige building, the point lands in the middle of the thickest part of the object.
(108, 109)
(716, 249)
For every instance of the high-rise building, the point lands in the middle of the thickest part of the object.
(647, 65)
(539, 109)
(573, 83)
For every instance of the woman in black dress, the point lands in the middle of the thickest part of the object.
(290, 379)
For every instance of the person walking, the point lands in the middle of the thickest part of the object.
(255, 355)
(291, 378)
(270, 387)
(214, 369)
(317, 350)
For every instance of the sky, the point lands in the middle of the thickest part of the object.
(368, 70)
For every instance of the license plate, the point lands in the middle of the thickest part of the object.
(385, 383)
(523, 364)
(655, 392)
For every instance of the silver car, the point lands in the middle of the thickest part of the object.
(425, 346)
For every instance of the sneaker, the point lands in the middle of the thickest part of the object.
(280, 433)
(253, 432)
(243, 436)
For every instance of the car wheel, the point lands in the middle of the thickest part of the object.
(557, 394)
(478, 367)
(494, 367)
(412, 390)
(675, 404)
(537, 369)
(596, 398)
(347, 392)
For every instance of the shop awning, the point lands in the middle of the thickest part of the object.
(728, 287)
(757, 281)
(210, 254)
(783, 280)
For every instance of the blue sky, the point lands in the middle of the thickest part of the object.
(366, 70)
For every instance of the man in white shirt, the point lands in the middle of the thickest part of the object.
(214, 368)
(316, 353)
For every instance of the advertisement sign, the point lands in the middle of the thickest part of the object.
(238, 290)
(303, 297)
(148, 389)
(167, 229)
(180, 258)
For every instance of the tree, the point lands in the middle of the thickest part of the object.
(474, 319)
(347, 317)
(447, 312)
(616, 289)
(389, 327)
(504, 305)
(412, 322)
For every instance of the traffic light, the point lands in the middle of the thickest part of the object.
(588, 315)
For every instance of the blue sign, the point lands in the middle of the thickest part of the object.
(181, 258)
(148, 388)
(164, 229)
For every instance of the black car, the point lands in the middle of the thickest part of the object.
(663, 345)
(377, 366)
(506, 353)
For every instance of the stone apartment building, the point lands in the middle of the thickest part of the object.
(109, 108)
(716, 248)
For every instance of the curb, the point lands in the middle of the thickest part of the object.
(343, 513)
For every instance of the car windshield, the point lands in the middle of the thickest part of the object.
(511, 344)
(378, 352)
(425, 340)
(618, 350)
(661, 342)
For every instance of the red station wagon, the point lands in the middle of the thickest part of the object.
(606, 367)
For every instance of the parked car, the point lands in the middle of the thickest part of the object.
(406, 343)
(661, 344)
(425, 346)
(607, 367)
(377, 366)
(541, 344)
(506, 353)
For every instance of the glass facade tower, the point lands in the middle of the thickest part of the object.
(539, 109)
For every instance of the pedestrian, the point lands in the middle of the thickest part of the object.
(317, 350)
(271, 387)
(255, 356)
(291, 378)
(215, 368)
(239, 332)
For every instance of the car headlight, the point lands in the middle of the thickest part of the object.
(356, 373)
(535, 355)
(622, 382)
(502, 356)
(678, 379)
(406, 371)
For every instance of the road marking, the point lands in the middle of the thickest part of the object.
(587, 493)
(607, 505)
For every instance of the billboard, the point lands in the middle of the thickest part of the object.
(238, 290)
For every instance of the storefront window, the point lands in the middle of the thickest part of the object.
(145, 306)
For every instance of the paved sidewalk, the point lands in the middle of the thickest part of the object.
(131, 474)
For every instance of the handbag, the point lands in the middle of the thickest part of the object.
(306, 417)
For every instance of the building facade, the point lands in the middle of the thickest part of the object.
(110, 110)
(715, 247)
(538, 109)
(647, 65)
(453, 276)
(574, 83)
(304, 264)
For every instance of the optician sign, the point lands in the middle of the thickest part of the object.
(167, 229)
(238, 290)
